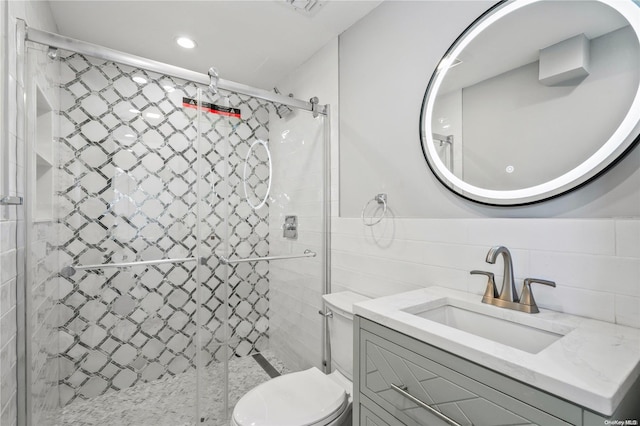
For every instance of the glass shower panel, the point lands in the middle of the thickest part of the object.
(127, 190)
(275, 180)
(299, 154)
(38, 377)
(216, 124)
(226, 122)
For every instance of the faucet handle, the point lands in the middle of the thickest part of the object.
(491, 291)
(526, 298)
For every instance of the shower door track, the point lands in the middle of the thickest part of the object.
(62, 42)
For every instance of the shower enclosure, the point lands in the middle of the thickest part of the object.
(176, 239)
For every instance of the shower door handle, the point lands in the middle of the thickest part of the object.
(306, 253)
(69, 271)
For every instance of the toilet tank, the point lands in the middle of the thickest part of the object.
(341, 329)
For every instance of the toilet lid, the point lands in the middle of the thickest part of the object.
(304, 398)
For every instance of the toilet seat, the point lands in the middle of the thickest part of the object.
(305, 398)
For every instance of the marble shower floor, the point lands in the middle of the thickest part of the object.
(171, 401)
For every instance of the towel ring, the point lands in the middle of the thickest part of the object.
(380, 199)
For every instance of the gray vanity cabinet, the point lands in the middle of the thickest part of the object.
(394, 373)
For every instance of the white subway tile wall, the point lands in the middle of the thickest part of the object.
(628, 238)
(8, 252)
(595, 263)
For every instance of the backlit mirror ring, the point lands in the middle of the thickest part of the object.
(254, 145)
(619, 143)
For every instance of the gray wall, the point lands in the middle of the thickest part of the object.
(386, 61)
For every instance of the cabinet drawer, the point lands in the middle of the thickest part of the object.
(372, 415)
(457, 396)
(367, 418)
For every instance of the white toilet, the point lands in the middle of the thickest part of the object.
(310, 397)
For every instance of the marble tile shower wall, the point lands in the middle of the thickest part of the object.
(127, 190)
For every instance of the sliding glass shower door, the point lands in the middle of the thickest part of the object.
(128, 208)
(270, 260)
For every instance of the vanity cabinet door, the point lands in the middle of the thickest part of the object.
(388, 372)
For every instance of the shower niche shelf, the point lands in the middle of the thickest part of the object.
(43, 151)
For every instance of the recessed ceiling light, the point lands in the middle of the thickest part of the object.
(186, 42)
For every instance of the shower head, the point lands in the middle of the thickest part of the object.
(52, 53)
(283, 111)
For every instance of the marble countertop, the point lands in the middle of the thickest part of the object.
(593, 365)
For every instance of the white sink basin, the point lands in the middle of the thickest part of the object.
(519, 336)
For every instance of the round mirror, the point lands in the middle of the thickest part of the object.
(534, 99)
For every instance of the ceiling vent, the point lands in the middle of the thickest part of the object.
(306, 7)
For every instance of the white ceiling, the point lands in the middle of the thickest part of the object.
(251, 42)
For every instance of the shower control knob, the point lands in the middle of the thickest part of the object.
(290, 227)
